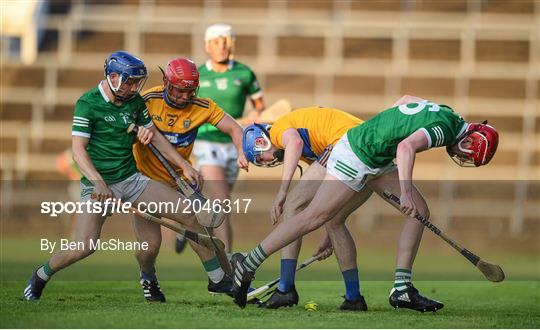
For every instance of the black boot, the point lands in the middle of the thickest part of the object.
(412, 299)
(356, 305)
(281, 299)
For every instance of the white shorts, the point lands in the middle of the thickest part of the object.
(217, 154)
(128, 190)
(349, 169)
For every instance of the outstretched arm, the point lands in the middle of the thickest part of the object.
(293, 144)
(231, 127)
(405, 156)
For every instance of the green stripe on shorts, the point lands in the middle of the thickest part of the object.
(347, 167)
(344, 171)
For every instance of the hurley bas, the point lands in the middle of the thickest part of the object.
(113, 244)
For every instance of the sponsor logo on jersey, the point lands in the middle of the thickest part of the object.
(109, 119)
(205, 83)
(157, 118)
(181, 139)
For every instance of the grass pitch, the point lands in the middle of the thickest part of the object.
(105, 304)
(102, 291)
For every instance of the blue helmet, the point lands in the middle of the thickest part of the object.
(126, 66)
(252, 148)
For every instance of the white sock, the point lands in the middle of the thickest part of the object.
(216, 275)
(41, 274)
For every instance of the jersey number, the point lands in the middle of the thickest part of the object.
(414, 108)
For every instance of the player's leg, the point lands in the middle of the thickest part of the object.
(220, 172)
(150, 233)
(87, 228)
(408, 243)
(331, 196)
(297, 199)
(156, 191)
(345, 176)
(217, 164)
(345, 250)
(217, 187)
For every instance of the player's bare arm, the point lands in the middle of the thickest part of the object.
(87, 168)
(405, 156)
(293, 145)
(231, 127)
(174, 157)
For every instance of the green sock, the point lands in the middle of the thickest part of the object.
(213, 269)
(255, 258)
(402, 279)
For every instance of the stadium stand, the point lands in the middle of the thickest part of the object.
(480, 56)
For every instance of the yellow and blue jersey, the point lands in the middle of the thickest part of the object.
(179, 126)
(320, 128)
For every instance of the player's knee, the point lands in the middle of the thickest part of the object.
(289, 211)
(423, 210)
(333, 225)
(293, 206)
(317, 218)
(150, 253)
(426, 213)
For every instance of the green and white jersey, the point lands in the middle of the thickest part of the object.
(229, 90)
(105, 124)
(375, 141)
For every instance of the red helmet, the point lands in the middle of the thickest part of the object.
(180, 77)
(476, 146)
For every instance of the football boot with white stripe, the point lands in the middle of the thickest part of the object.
(412, 299)
(241, 280)
(152, 291)
(34, 288)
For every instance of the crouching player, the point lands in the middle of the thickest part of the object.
(103, 152)
(178, 114)
(362, 161)
(307, 134)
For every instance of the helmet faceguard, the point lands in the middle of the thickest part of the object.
(181, 82)
(476, 146)
(256, 141)
(131, 72)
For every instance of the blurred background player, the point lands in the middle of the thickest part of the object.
(103, 152)
(307, 134)
(228, 83)
(362, 161)
(178, 114)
